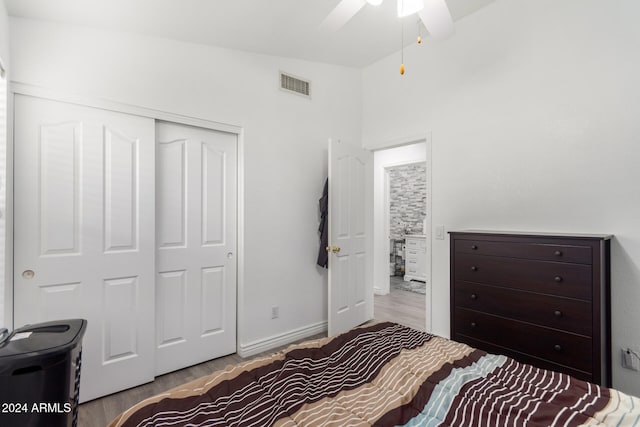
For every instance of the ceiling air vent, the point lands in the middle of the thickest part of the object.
(294, 84)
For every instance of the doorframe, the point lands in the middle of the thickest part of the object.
(17, 88)
(401, 142)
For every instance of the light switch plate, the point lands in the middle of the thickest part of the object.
(440, 232)
(629, 360)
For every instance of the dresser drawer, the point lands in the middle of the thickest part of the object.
(565, 314)
(554, 278)
(419, 244)
(558, 347)
(413, 253)
(528, 250)
(525, 358)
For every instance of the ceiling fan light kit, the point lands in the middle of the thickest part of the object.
(437, 18)
(434, 14)
(409, 7)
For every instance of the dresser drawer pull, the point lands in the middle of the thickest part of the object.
(474, 324)
(558, 279)
(558, 253)
(557, 313)
(557, 347)
(474, 268)
(474, 247)
(474, 296)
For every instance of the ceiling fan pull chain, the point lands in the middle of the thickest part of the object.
(402, 46)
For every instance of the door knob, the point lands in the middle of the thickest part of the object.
(28, 274)
(335, 249)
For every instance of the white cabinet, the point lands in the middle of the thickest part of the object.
(415, 257)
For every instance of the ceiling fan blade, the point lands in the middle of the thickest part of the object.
(436, 17)
(341, 14)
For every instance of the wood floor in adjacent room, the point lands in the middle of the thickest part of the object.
(407, 308)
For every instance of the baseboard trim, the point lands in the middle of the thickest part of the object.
(285, 338)
(379, 291)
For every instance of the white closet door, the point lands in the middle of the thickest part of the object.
(84, 233)
(350, 236)
(196, 238)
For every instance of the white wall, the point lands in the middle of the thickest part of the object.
(285, 139)
(382, 159)
(533, 108)
(4, 114)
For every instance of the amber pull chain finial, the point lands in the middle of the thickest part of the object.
(402, 48)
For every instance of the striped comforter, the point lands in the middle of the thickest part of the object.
(385, 375)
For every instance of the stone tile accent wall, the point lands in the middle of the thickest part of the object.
(407, 189)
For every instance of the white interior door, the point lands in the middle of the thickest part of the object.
(196, 245)
(84, 232)
(350, 236)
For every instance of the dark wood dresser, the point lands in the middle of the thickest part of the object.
(542, 299)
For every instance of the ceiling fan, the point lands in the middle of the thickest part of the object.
(433, 13)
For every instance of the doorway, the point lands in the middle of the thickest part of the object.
(402, 236)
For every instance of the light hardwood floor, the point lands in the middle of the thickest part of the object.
(406, 308)
(100, 412)
(403, 307)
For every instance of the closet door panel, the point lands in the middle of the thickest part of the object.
(197, 198)
(121, 188)
(172, 194)
(84, 233)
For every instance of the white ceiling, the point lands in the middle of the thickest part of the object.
(275, 27)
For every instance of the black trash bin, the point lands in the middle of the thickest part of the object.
(40, 374)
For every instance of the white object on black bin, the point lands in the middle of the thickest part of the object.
(40, 374)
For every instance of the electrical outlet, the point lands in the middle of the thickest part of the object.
(630, 359)
(275, 312)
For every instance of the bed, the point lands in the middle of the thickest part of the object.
(384, 374)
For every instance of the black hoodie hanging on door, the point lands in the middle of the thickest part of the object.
(323, 256)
